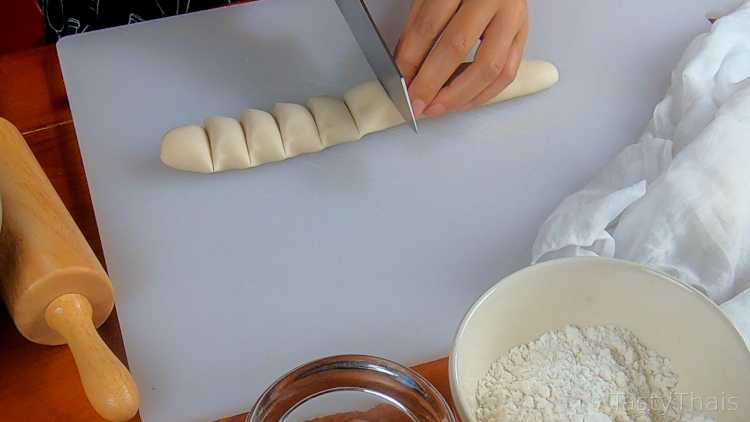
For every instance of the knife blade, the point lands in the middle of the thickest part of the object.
(376, 52)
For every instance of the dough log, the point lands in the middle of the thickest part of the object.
(262, 137)
(298, 130)
(335, 123)
(228, 148)
(187, 148)
(372, 108)
(533, 76)
(293, 129)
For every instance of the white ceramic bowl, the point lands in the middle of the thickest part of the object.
(706, 350)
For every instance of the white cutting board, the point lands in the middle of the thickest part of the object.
(225, 282)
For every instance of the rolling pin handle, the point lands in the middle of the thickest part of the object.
(106, 381)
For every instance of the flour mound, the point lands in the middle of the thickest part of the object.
(592, 374)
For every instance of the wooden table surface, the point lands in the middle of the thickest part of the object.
(40, 383)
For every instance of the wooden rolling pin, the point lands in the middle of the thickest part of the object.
(52, 283)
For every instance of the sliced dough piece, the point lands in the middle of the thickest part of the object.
(228, 148)
(335, 122)
(262, 136)
(298, 130)
(186, 148)
(372, 108)
(533, 76)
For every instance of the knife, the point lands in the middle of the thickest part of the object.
(376, 52)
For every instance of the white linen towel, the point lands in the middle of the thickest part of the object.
(678, 200)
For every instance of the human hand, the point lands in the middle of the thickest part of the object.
(453, 28)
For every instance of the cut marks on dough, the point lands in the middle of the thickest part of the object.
(259, 137)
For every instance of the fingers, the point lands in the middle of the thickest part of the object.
(488, 67)
(413, 12)
(416, 5)
(460, 36)
(427, 20)
(509, 72)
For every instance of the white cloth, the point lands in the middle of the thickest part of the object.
(678, 200)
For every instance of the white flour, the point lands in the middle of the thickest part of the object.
(593, 374)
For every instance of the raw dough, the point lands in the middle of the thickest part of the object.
(533, 76)
(367, 109)
(186, 148)
(372, 108)
(298, 130)
(262, 136)
(228, 148)
(335, 122)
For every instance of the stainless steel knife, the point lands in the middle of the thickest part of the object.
(376, 52)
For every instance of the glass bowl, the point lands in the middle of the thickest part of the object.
(351, 388)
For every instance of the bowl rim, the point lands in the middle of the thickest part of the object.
(461, 402)
(356, 362)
